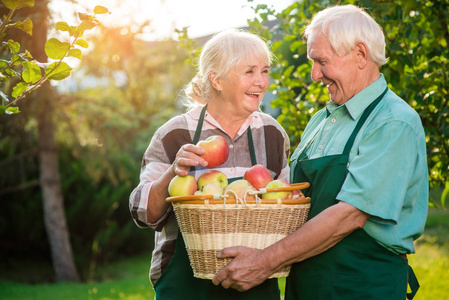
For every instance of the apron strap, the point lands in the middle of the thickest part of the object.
(252, 152)
(362, 120)
(412, 282)
(199, 126)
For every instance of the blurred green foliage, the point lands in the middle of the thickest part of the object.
(124, 89)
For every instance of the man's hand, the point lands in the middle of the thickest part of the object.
(248, 268)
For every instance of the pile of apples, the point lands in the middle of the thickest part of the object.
(215, 182)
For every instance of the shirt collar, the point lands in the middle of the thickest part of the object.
(357, 104)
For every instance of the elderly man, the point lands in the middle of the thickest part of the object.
(365, 157)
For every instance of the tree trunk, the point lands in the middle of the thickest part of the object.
(53, 201)
(49, 179)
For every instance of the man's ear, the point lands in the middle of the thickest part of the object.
(214, 81)
(362, 53)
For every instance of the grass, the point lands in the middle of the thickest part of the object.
(431, 261)
(128, 279)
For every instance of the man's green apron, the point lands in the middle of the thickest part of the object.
(357, 267)
(177, 281)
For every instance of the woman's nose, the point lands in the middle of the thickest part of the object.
(261, 80)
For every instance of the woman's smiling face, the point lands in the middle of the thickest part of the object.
(244, 86)
(338, 73)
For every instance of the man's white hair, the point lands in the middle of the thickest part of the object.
(344, 25)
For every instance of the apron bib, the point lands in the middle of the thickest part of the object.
(177, 280)
(357, 267)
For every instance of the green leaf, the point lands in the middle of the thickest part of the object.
(75, 53)
(26, 26)
(86, 25)
(9, 110)
(100, 10)
(82, 43)
(445, 194)
(62, 26)
(83, 16)
(58, 71)
(3, 63)
(12, 110)
(32, 72)
(56, 49)
(16, 60)
(17, 4)
(19, 89)
(11, 72)
(27, 54)
(13, 46)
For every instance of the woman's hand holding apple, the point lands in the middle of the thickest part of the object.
(189, 155)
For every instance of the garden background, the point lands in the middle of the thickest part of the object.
(70, 158)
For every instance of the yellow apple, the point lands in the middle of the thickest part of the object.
(182, 186)
(277, 195)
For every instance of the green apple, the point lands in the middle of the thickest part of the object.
(182, 186)
(277, 195)
(213, 176)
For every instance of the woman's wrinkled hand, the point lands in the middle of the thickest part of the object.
(189, 155)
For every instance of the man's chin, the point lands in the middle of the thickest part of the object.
(337, 101)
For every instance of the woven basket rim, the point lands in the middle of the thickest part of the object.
(289, 201)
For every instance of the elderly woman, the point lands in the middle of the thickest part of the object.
(231, 81)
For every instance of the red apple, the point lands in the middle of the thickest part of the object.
(182, 186)
(217, 150)
(212, 176)
(239, 187)
(258, 176)
(277, 195)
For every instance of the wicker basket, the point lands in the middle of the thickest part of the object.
(209, 223)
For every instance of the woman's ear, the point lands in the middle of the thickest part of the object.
(362, 53)
(214, 81)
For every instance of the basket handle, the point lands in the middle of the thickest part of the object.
(292, 187)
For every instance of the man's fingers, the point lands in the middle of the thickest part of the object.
(229, 252)
(219, 277)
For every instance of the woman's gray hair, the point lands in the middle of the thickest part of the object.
(224, 51)
(347, 24)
